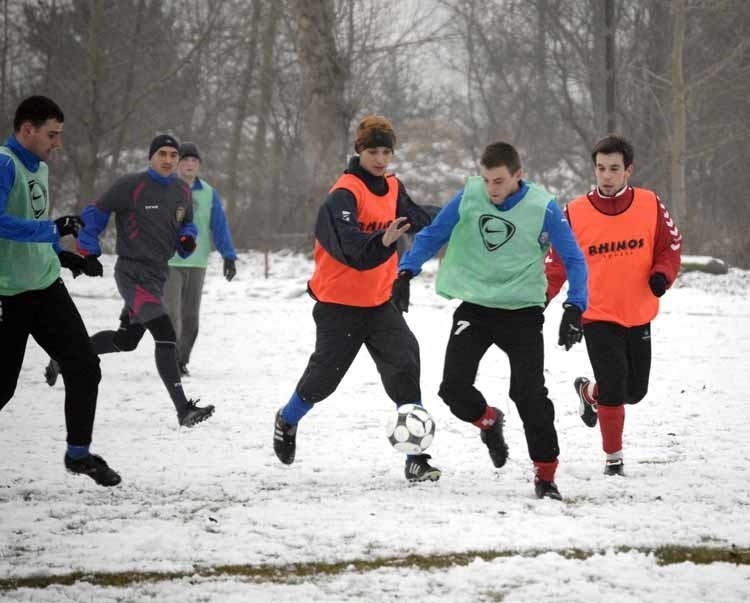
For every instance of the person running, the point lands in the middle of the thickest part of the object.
(184, 287)
(33, 299)
(498, 230)
(154, 217)
(359, 224)
(632, 247)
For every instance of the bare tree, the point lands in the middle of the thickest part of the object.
(323, 82)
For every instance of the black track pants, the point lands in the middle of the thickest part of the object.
(518, 333)
(340, 333)
(52, 319)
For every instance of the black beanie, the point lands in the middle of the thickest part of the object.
(162, 140)
(188, 149)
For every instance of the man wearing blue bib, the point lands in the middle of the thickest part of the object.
(184, 287)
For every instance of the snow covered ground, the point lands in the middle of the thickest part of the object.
(209, 514)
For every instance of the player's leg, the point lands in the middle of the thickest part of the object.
(173, 295)
(639, 363)
(16, 312)
(191, 308)
(125, 339)
(520, 336)
(165, 356)
(468, 342)
(339, 333)
(607, 346)
(395, 351)
(60, 331)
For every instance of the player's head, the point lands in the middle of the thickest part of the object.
(163, 154)
(500, 167)
(38, 125)
(375, 141)
(613, 164)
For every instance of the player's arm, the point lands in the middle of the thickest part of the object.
(219, 226)
(96, 215)
(574, 264)
(418, 216)
(667, 245)
(337, 231)
(555, 270)
(431, 238)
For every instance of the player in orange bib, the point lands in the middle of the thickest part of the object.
(359, 224)
(632, 248)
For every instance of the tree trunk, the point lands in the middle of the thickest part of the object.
(262, 167)
(678, 191)
(125, 104)
(241, 114)
(89, 161)
(323, 81)
(609, 64)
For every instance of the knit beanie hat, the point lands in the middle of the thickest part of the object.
(162, 140)
(374, 131)
(189, 149)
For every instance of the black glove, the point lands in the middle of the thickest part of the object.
(570, 327)
(69, 225)
(187, 243)
(230, 270)
(400, 291)
(658, 284)
(92, 266)
(74, 262)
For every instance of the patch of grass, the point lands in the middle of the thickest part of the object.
(293, 572)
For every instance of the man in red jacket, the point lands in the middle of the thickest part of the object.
(632, 249)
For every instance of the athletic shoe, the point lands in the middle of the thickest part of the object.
(545, 489)
(419, 470)
(494, 440)
(95, 467)
(193, 414)
(614, 467)
(184, 370)
(51, 372)
(586, 405)
(284, 439)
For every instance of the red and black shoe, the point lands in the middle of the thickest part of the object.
(586, 404)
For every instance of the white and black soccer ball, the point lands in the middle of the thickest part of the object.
(410, 429)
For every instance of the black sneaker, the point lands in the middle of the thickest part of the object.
(194, 414)
(495, 442)
(614, 467)
(284, 439)
(184, 370)
(51, 372)
(586, 406)
(545, 489)
(95, 467)
(419, 470)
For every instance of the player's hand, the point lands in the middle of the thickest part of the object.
(72, 261)
(230, 269)
(188, 243)
(92, 266)
(571, 331)
(658, 284)
(394, 231)
(68, 225)
(400, 291)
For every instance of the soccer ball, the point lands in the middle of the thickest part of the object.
(410, 429)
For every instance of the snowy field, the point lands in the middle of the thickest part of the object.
(209, 514)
